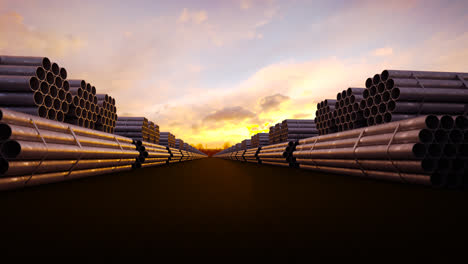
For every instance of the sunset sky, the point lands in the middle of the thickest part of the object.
(219, 71)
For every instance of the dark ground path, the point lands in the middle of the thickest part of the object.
(214, 206)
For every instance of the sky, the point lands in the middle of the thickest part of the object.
(217, 71)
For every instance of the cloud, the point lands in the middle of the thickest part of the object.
(235, 113)
(17, 38)
(272, 102)
(382, 52)
(245, 4)
(196, 17)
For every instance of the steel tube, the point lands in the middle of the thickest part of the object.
(392, 83)
(387, 74)
(26, 61)
(19, 83)
(425, 108)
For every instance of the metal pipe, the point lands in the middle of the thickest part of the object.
(66, 85)
(51, 114)
(392, 83)
(50, 78)
(425, 108)
(19, 83)
(55, 69)
(53, 91)
(77, 83)
(9, 183)
(60, 116)
(429, 94)
(382, 175)
(25, 61)
(387, 74)
(21, 99)
(36, 71)
(40, 111)
(11, 117)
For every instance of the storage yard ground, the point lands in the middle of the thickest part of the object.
(214, 206)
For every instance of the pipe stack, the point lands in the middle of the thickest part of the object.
(186, 146)
(427, 150)
(258, 140)
(151, 154)
(246, 144)
(156, 137)
(34, 85)
(397, 95)
(348, 113)
(167, 139)
(36, 150)
(84, 109)
(153, 131)
(107, 113)
(179, 144)
(324, 117)
(295, 129)
(176, 155)
(133, 127)
(251, 155)
(271, 135)
(274, 154)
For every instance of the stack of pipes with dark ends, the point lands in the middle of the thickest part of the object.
(410, 127)
(138, 128)
(34, 85)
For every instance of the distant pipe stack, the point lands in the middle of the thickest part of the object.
(251, 155)
(324, 118)
(107, 113)
(34, 85)
(179, 144)
(84, 110)
(397, 95)
(258, 140)
(137, 128)
(246, 144)
(167, 139)
(295, 129)
(348, 114)
(274, 154)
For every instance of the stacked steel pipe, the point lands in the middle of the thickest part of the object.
(274, 154)
(167, 139)
(348, 114)
(36, 150)
(107, 113)
(324, 118)
(258, 140)
(176, 155)
(84, 110)
(396, 95)
(246, 144)
(179, 144)
(133, 127)
(427, 150)
(151, 154)
(295, 129)
(34, 85)
(251, 155)
(271, 135)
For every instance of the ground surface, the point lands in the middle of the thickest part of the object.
(213, 206)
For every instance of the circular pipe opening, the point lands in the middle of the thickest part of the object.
(5, 132)
(53, 91)
(64, 107)
(369, 82)
(93, 90)
(395, 93)
(376, 79)
(40, 73)
(461, 122)
(42, 111)
(78, 111)
(370, 102)
(61, 94)
(381, 88)
(60, 116)
(50, 78)
(11, 149)
(48, 100)
(425, 136)
(377, 99)
(55, 69)
(367, 113)
(38, 98)
(440, 136)
(378, 119)
(87, 104)
(350, 108)
(390, 84)
(374, 110)
(66, 86)
(347, 100)
(373, 90)
(365, 93)
(34, 83)
(370, 121)
(85, 95)
(76, 101)
(46, 63)
(343, 94)
(391, 105)
(432, 122)
(363, 104)
(51, 114)
(58, 82)
(384, 75)
(419, 150)
(447, 122)
(88, 87)
(382, 108)
(356, 107)
(63, 73)
(82, 102)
